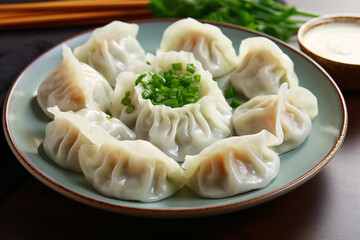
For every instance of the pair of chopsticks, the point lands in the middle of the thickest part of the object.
(63, 13)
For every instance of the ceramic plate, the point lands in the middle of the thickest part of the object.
(24, 125)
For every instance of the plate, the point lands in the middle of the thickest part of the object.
(24, 126)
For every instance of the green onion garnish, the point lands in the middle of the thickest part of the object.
(140, 78)
(230, 97)
(130, 108)
(169, 88)
(235, 103)
(230, 92)
(176, 66)
(191, 68)
(126, 101)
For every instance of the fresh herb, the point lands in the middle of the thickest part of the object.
(109, 117)
(140, 78)
(235, 103)
(230, 92)
(268, 16)
(231, 97)
(126, 101)
(130, 108)
(169, 88)
(191, 68)
(176, 66)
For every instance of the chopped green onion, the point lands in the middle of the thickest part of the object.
(126, 100)
(230, 96)
(130, 108)
(171, 89)
(171, 102)
(176, 66)
(194, 89)
(235, 103)
(109, 117)
(147, 93)
(148, 63)
(157, 80)
(186, 79)
(230, 92)
(191, 68)
(140, 78)
(197, 78)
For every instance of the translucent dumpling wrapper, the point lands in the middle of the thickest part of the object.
(72, 86)
(69, 131)
(208, 44)
(130, 170)
(263, 67)
(112, 49)
(176, 131)
(111, 125)
(233, 165)
(288, 115)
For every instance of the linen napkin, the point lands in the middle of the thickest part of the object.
(11, 65)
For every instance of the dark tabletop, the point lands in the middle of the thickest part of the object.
(326, 207)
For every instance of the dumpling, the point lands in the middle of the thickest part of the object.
(74, 85)
(176, 131)
(130, 170)
(208, 44)
(303, 99)
(111, 125)
(233, 165)
(112, 49)
(288, 115)
(262, 69)
(68, 131)
(296, 122)
(259, 113)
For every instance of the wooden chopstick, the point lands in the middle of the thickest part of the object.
(70, 13)
(72, 5)
(71, 19)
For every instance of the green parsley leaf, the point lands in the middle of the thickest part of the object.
(268, 16)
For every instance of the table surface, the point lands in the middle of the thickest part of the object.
(326, 207)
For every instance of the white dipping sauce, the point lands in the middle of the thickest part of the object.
(336, 41)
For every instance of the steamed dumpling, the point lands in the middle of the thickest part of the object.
(208, 44)
(111, 125)
(288, 115)
(130, 170)
(233, 165)
(112, 49)
(262, 69)
(74, 85)
(69, 131)
(296, 122)
(176, 131)
(259, 113)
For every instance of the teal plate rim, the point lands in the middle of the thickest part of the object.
(335, 130)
